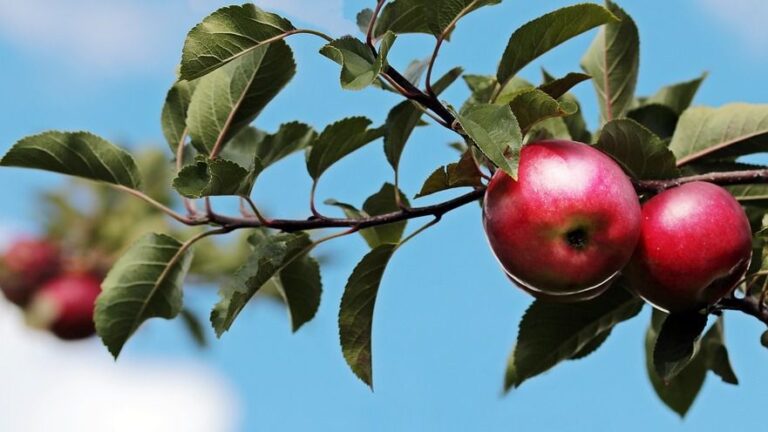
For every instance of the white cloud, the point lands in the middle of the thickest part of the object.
(74, 387)
(746, 18)
(90, 34)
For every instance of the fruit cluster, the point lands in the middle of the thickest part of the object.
(55, 295)
(572, 222)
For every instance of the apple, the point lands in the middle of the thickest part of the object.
(25, 266)
(695, 246)
(568, 224)
(65, 305)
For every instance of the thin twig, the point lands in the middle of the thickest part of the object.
(372, 25)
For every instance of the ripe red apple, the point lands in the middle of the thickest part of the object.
(65, 305)
(695, 245)
(25, 266)
(567, 225)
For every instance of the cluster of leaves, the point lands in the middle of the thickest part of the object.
(236, 61)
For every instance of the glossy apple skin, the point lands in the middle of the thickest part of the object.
(567, 225)
(26, 265)
(69, 302)
(695, 245)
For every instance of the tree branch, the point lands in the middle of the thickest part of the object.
(749, 305)
(721, 178)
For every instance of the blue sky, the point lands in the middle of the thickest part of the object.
(446, 316)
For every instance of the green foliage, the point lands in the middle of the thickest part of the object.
(359, 67)
(641, 153)
(439, 14)
(271, 254)
(404, 118)
(553, 332)
(226, 35)
(613, 60)
(558, 87)
(211, 177)
(463, 173)
(715, 133)
(79, 154)
(397, 16)
(542, 34)
(337, 141)
(533, 106)
(379, 203)
(356, 312)
(174, 115)
(678, 96)
(677, 343)
(679, 392)
(495, 131)
(146, 282)
(228, 99)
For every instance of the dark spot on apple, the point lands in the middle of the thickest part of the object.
(577, 238)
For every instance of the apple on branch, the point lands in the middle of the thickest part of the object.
(695, 246)
(569, 223)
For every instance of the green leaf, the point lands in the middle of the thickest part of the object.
(641, 153)
(710, 133)
(553, 332)
(441, 13)
(592, 346)
(546, 32)
(404, 118)
(678, 96)
(211, 177)
(359, 67)
(174, 116)
(716, 354)
(356, 312)
(660, 119)
(301, 286)
(79, 154)
(482, 88)
(228, 99)
(680, 392)
(575, 123)
(226, 35)
(270, 256)
(146, 282)
(533, 106)
(677, 343)
(194, 327)
(363, 19)
(399, 17)
(337, 141)
(381, 202)
(256, 150)
(613, 60)
(751, 194)
(558, 87)
(463, 173)
(495, 131)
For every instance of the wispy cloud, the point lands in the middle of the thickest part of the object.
(745, 18)
(75, 387)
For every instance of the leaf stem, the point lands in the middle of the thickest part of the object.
(372, 25)
(440, 39)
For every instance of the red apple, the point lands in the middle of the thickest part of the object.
(695, 245)
(25, 266)
(567, 225)
(65, 305)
